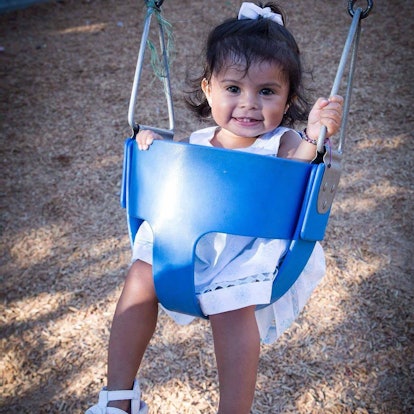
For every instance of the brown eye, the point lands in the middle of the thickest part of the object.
(233, 89)
(266, 92)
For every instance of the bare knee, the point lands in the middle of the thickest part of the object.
(236, 333)
(139, 284)
(240, 319)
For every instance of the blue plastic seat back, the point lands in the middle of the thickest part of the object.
(185, 191)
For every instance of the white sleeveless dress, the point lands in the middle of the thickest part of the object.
(232, 272)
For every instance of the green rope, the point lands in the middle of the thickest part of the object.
(157, 59)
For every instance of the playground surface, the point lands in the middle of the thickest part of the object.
(66, 71)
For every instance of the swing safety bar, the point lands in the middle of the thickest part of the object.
(153, 7)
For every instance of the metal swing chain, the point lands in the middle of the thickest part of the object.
(332, 172)
(153, 7)
(351, 41)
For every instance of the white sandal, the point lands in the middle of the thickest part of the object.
(137, 406)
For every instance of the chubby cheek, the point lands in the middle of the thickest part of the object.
(274, 120)
(273, 115)
(221, 109)
(217, 115)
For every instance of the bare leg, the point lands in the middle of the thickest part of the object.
(133, 325)
(237, 348)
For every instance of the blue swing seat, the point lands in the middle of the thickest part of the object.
(185, 191)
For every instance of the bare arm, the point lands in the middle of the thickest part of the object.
(327, 112)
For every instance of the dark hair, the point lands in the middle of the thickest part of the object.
(250, 41)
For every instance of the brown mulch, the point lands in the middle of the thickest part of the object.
(66, 73)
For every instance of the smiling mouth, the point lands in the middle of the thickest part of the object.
(247, 120)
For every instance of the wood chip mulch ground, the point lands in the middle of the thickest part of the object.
(66, 70)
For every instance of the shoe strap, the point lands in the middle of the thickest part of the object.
(117, 395)
(113, 410)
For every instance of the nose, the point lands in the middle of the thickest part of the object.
(249, 100)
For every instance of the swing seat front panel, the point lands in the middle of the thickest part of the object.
(185, 191)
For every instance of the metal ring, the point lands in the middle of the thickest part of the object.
(365, 13)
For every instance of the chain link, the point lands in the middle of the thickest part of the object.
(364, 13)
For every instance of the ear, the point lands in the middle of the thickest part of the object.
(286, 108)
(206, 88)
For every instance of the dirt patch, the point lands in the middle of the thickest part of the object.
(66, 73)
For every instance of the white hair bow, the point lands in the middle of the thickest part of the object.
(251, 11)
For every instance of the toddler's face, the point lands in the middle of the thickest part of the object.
(247, 104)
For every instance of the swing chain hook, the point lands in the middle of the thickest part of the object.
(364, 13)
(155, 4)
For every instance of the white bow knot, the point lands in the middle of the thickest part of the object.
(251, 11)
